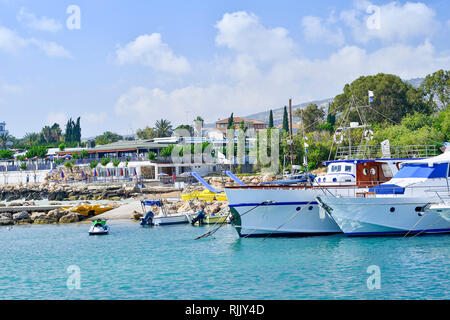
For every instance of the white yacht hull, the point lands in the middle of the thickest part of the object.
(385, 215)
(442, 209)
(287, 212)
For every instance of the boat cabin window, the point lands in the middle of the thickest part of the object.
(348, 168)
(373, 171)
(336, 168)
(387, 172)
(365, 171)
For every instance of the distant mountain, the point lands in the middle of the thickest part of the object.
(278, 112)
(416, 82)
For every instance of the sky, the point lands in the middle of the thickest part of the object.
(122, 65)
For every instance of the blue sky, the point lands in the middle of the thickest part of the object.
(134, 62)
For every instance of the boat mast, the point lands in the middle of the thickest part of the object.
(290, 133)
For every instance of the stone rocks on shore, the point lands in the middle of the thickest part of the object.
(70, 217)
(21, 217)
(6, 219)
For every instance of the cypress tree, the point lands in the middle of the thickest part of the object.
(230, 121)
(285, 120)
(271, 119)
(78, 131)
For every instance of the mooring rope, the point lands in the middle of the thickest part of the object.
(222, 223)
(409, 231)
(292, 217)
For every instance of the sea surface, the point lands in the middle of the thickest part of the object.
(64, 262)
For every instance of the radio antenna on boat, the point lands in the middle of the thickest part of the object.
(346, 152)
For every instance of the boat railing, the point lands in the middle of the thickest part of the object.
(388, 191)
(379, 152)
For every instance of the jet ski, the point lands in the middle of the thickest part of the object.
(98, 227)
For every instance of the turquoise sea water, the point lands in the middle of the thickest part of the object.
(167, 263)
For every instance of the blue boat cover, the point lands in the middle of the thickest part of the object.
(422, 170)
(152, 203)
(388, 189)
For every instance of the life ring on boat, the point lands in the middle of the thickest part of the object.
(338, 137)
(368, 135)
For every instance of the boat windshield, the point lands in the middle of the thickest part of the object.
(410, 170)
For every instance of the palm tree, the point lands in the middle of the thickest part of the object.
(30, 138)
(4, 138)
(163, 128)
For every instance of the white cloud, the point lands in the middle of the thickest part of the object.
(392, 22)
(243, 33)
(57, 117)
(149, 50)
(51, 49)
(94, 118)
(315, 30)
(12, 43)
(30, 20)
(246, 81)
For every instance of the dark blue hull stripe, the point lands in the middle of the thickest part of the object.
(288, 234)
(400, 232)
(167, 223)
(272, 204)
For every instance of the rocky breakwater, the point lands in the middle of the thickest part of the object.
(44, 217)
(60, 192)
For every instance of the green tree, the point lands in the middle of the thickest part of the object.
(163, 128)
(107, 137)
(151, 156)
(167, 151)
(62, 146)
(436, 87)
(116, 162)
(51, 134)
(230, 122)
(285, 120)
(105, 160)
(6, 154)
(93, 164)
(393, 99)
(4, 139)
(31, 138)
(311, 116)
(270, 119)
(36, 151)
(84, 154)
(146, 133)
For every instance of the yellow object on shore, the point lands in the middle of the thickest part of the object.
(204, 195)
(90, 209)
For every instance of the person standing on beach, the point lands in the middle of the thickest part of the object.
(28, 178)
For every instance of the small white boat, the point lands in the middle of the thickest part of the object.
(164, 218)
(176, 218)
